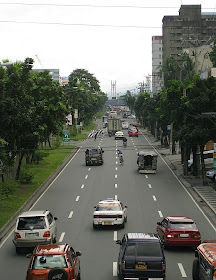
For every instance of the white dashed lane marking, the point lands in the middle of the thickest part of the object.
(181, 268)
(149, 186)
(116, 162)
(61, 237)
(154, 198)
(160, 214)
(116, 186)
(116, 197)
(77, 198)
(82, 186)
(70, 215)
(146, 176)
(116, 168)
(115, 235)
(114, 268)
(116, 176)
(86, 177)
(89, 169)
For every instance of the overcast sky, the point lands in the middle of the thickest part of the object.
(109, 38)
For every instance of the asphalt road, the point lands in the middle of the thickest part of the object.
(73, 194)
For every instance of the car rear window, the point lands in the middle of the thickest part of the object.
(181, 225)
(49, 262)
(94, 151)
(152, 249)
(26, 223)
(108, 207)
(130, 250)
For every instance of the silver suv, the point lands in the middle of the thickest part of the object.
(34, 228)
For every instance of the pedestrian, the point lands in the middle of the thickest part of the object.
(95, 135)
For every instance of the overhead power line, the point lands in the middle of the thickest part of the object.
(91, 6)
(80, 24)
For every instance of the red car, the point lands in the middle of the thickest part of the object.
(54, 262)
(178, 231)
(133, 132)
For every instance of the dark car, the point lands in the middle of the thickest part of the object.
(94, 156)
(178, 231)
(141, 256)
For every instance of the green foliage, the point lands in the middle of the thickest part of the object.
(7, 188)
(212, 54)
(26, 176)
(39, 155)
(130, 100)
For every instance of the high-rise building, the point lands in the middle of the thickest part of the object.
(157, 58)
(191, 29)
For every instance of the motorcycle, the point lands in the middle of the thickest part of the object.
(125, 144)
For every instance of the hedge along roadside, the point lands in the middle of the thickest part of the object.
(7, 228)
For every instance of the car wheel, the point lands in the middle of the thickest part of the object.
(195, 270)
(18, 250)
(95, 226)
(79, 277)
(57, 273)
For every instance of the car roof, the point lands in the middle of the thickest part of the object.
(51, 249)
(109, 200)
(179, 219)
(145, 153)
(209, 251)
(143, 236)
(33, 213)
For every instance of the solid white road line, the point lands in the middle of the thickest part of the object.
(86, 177)
(116, 186)
(160, 214)
(149, 186)
(115, 235)
(77, 198)
(114, 268)
(154, 197)
(61, 237)
(82, 186)
(181, 268)
(70, 215)
(116, 197)
(116, 175)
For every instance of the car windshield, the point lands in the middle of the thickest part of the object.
(181, 225)
(37, 222)
(149, 249)
(50, 261)
(108, 207)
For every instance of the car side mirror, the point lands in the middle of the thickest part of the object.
(78, 254)
(126, 206)
(55, 218)
(118, 242)
(94, 206)
(102, 151)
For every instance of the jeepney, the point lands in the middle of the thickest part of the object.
(147, 161)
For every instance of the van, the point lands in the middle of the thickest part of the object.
(204, 266)
(141, 255)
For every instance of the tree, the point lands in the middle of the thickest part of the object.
(212, 54)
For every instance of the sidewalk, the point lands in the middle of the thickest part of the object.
(205, 194)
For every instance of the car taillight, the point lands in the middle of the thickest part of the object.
(17, 235)
(196, 235)
(163, 265)
(123, 265)
(170, 235)
(46, 234)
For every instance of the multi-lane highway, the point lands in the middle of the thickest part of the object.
(74, 193)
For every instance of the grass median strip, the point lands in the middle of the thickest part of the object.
(41, 171)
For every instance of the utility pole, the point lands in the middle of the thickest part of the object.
(113, 89)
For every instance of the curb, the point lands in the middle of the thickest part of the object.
(6, 229)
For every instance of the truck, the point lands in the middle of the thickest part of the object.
(113, 125)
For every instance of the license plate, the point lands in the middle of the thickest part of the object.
(107, 223)
(31, 234)
(184, 235)
(141, 266)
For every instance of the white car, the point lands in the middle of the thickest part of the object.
(34, 228)
(125, 125)
(110, 212)
(211, 174)
(119, 135)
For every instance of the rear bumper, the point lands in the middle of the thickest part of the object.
(31, 243)
(132, 273)
(180, 242)
(102, 222)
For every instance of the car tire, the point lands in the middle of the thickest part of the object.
(79, 276)
(57, 272)
(195, 270)
(18, 250)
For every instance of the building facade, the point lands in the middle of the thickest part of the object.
(53, 72)
(191, 30)
(157, 58)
